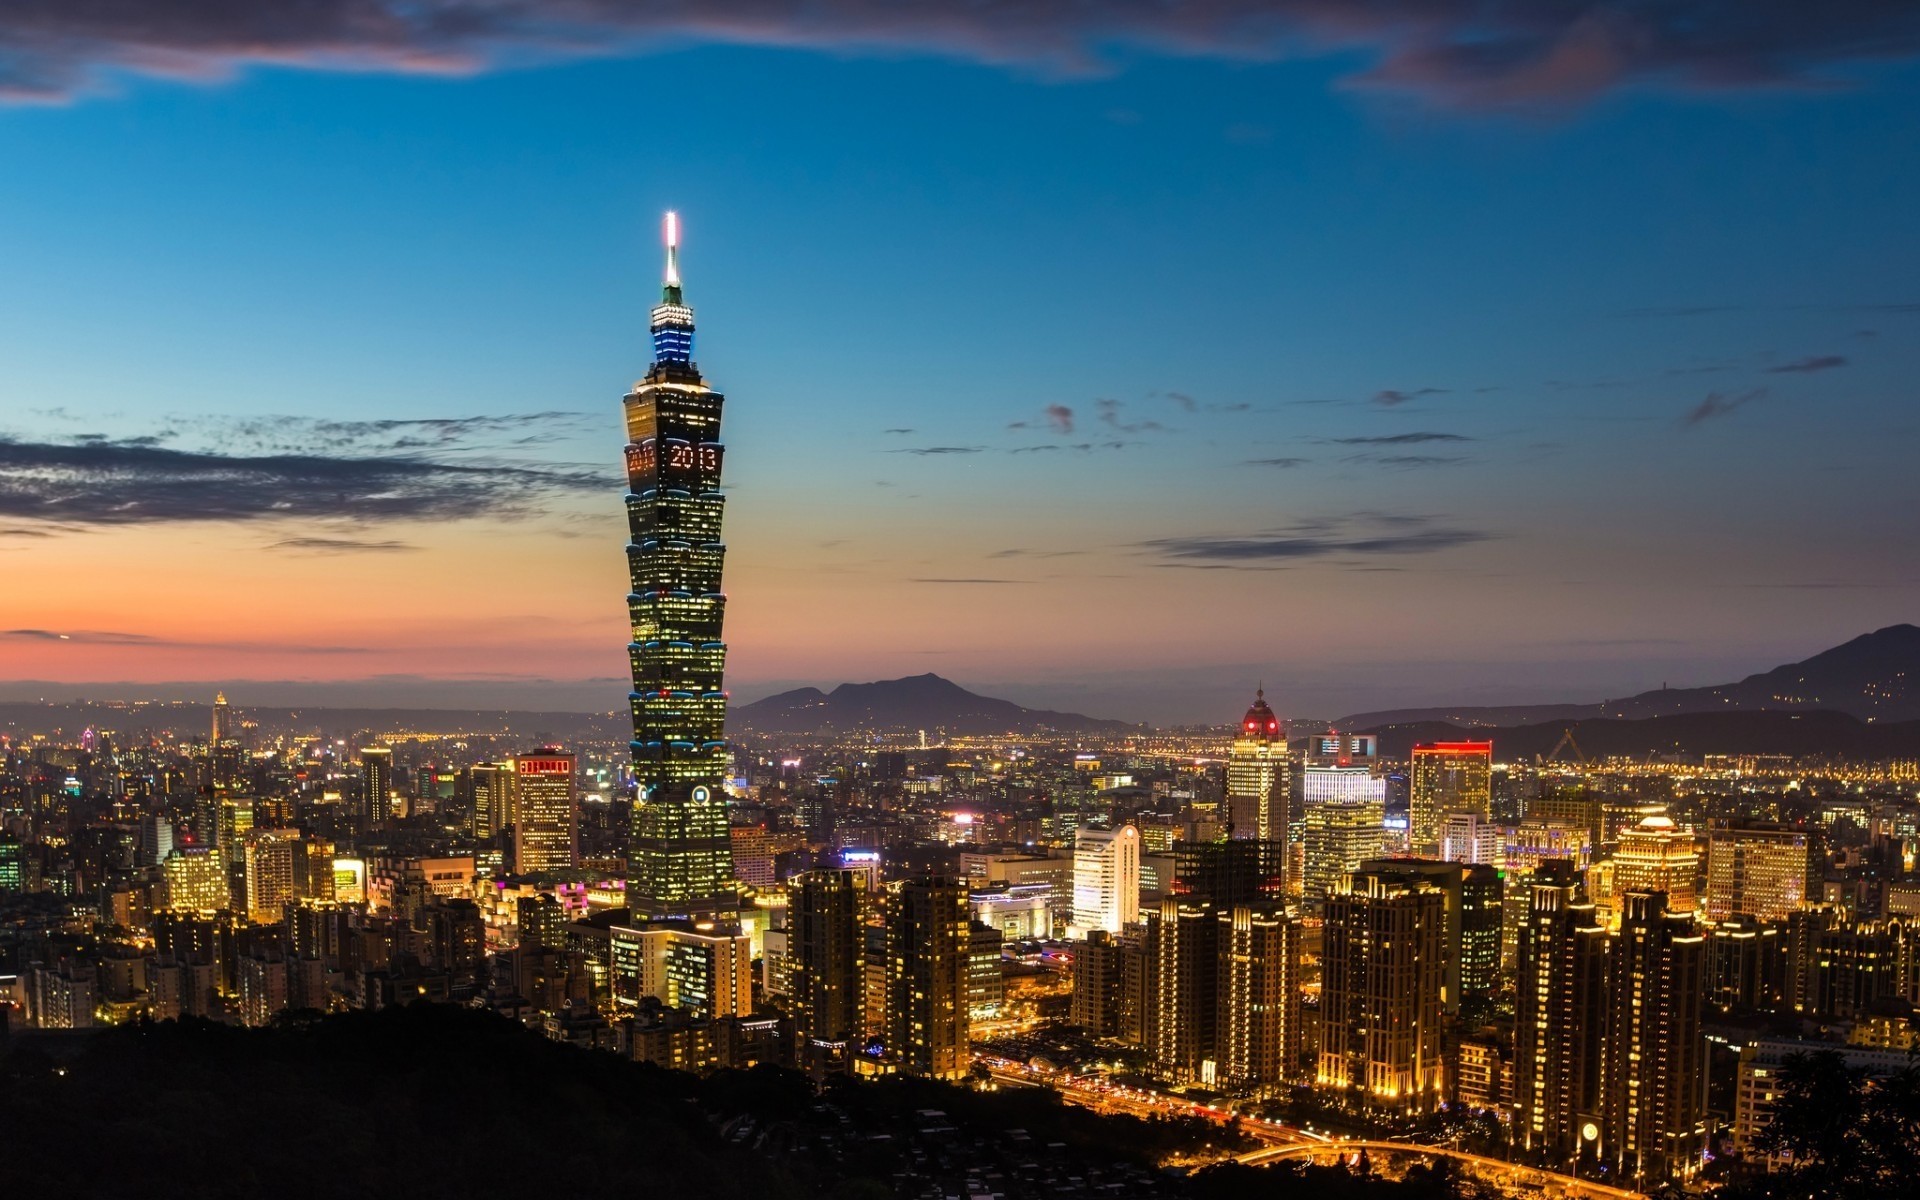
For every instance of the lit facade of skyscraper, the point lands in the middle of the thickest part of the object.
(376, 786)
(222, 718)
(1657, 856)
(682, 856)
(1382, 990)
(1760, 870)
(1106, 879)
(1447, 777)
(1257, 776)
(546, 814)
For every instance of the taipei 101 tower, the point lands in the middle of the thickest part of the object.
(681, 858)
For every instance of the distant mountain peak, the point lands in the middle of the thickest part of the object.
(913, 702)
(1874, 677)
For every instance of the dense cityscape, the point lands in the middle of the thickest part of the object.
(1277, 942)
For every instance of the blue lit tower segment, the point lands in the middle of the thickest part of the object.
(681, 857)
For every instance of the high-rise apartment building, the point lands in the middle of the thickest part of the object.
(546, 826)
(1470, 936)
(1766, 871)
(927, 1021)
(1258, 979)
(1655, 1071)
(1447, 777)
(1106, 879)
(1559, 1017)
(271, 884)
(1182, 1027)
(825, 959)
(1257, 775)
(376, 786)
(681, 859)
(1469, 837)
(1382, 989)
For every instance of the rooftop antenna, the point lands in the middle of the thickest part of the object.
(672, 236)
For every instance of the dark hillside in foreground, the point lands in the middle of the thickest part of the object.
(434, 1101)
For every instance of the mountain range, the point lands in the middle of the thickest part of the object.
(1874, 678)
(903, 705)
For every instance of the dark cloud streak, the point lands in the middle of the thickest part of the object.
(108, 483)
(1479, 53)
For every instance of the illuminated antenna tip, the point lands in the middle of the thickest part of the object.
(672, 233)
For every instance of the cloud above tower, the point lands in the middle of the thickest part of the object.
(1468, 53)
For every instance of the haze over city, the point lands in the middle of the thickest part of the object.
(1117, 359)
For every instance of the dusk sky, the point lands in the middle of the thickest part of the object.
(1117, 359)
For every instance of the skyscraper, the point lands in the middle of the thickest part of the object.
(1559, 1016)
(1761, 870)
(927, 1016)
(1106, 879)
(376, 786)
(222, 719)
(827, 950)
(546, 828)
(681, 856)
(1657, 856)
(1447, 777)
(1257, 775)
(1656, 1055)
(1383, 979)
(1258, 1027)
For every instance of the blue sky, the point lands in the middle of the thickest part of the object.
(1381, 396)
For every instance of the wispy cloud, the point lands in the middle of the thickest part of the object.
(966, 581)
(1470, 53)
(1399, 439)
(1360, 535)
(340, 545)
(1282, 463)
(927, 450)
(105, 482)
(1393, 398)
(1719, 404)
(1109, 410)
(1807, 366)
(1060, 417)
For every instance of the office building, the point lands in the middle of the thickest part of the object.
(222, 720)
(1762, 870)
(376, 786)
(1447, 777)
(1655, 855)
(1337, 835)
(681, 859)
(1469, 837)
(1382, 990)
(197, 880)
(927, 960)
(1106, 879)
(492, 799)
(546, 813)
(1258, 776)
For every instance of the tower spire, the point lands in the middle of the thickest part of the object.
(670, 232)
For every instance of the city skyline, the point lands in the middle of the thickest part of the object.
(1416, 385)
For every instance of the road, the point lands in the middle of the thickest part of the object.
(1282, 1141)
(1497, 1169)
